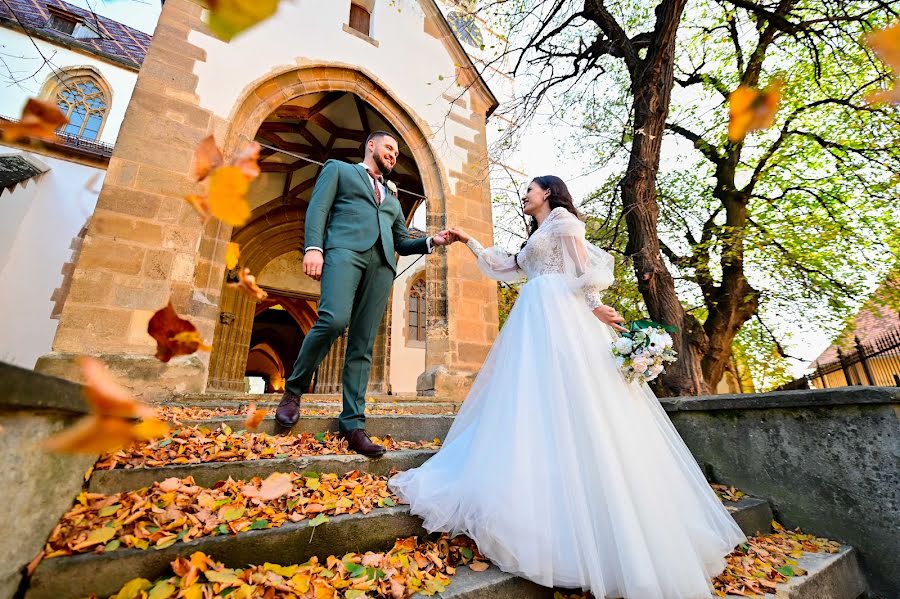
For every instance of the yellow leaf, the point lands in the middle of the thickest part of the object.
(100, 535)
(301, 582)
(227, 196)
(133, 588)
(232, 255)
(162, 590)
(195, 591)
(285, 571)
(152, 428)
(227, 18)
(225, 576)
(750, 109)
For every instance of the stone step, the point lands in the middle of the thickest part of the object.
(231, 398)
(206, 475)
(829, 576)
(402, 427)
(292, 543)
(333, 407)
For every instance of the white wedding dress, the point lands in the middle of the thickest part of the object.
(557, 468)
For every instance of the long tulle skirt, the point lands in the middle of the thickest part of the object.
(567, 475)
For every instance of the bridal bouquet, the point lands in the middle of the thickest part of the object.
(642, 352)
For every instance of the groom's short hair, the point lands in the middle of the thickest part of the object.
(375, 135)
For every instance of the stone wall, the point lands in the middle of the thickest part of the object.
(829, 461)
(36, 487)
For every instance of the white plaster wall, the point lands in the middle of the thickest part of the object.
(407, 363)
(39, 223)
(27, 66)
(309, 32)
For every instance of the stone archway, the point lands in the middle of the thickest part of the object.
(276, 225)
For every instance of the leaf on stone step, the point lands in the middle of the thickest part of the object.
(318, 520)
(100, 535)
(132, 589)
(479, 566)
(224, 576)
(162, 590)
(40, 119)
(233, 514)
(276, 485)
(259, 524)
(354, 594)
(109, 510)
(320, 437)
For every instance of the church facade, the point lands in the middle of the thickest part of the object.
(308, 84)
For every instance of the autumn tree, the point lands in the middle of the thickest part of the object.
(799, 215)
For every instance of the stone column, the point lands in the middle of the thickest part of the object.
(228, 360)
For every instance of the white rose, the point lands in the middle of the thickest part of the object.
(655, 370)
(640, 366)
(392, 186)
(623, 345)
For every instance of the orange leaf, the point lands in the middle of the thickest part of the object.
(151, 428)
(248, 286)
(39, 119)
(92, 434)
(275, 486)
(201, 205)
(750, 109)
(106, 396)
(174, 335)
(207, 157)
(248, 160)
(254, 416)
(886, 43)
(227, 195)
(479, 566)
(232, 255)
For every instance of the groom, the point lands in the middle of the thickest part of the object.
(354, 225)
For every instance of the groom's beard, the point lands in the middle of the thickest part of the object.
(385, 169)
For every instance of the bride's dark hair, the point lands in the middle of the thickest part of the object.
(559, 197)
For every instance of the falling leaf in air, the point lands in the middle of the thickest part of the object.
(232, 255)
(886, 43)
(40, 119)
(750, 109)
(111, 424)
(201, 205)
(228, 195)
(227, 18)
(248, 286)
(254, 416)
(248, 160)
(276, 485)
(207, 157)
(174, 335)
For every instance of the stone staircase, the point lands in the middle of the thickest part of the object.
(830, 575)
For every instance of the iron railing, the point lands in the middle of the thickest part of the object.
(875, 362)
(68, 140)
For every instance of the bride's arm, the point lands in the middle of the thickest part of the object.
(493, 261)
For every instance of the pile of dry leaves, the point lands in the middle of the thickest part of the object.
(178, 510)
(408, 568)
(198, 444)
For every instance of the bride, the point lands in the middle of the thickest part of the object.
(558, 469)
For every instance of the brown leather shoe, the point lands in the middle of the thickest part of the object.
(359, 441)
(288, 411)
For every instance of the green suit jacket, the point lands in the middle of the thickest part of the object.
(343, 213)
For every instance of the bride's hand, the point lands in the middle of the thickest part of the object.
(608, 315)
(460, 234)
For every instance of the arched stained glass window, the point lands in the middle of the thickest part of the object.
(85, 104)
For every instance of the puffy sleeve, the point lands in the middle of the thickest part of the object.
(590, 269)
(496, 263)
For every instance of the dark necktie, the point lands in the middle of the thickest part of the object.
(378, 179)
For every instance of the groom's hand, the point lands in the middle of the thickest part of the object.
(312, 264)
(443, 238)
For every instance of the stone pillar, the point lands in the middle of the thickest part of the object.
(228, 360)
(144, 244)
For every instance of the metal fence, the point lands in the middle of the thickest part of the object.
(875, 362)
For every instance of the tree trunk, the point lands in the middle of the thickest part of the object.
(652, 86)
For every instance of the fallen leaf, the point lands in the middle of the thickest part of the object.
(40, 119)
(174, 335)
(275, 486)
(750, 109)
(228, 18)
(232, 255)
(132, 589)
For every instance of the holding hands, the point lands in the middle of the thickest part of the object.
(448, 236)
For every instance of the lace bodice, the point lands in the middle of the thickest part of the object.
(557, 247)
